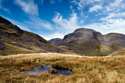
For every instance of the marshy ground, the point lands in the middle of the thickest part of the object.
(81, 69)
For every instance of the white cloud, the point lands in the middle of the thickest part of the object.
(115, 6)
(95, 5)
(68, 24)
(28, 6)
(109, 25)
(54, 35)
(114, 16)
(39, 23)
(82, 3)
(115, 26)
(95, 8)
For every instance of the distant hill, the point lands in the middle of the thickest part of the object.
(13, 40)
(91, 42)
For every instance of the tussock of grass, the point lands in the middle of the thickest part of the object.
(85, 69)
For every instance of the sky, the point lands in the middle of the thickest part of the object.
(56, 18)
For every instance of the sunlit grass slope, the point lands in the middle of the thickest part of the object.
(106, 69)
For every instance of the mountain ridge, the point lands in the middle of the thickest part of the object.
(14, 40)
(91, 42)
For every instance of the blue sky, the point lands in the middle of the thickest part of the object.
(56, 18)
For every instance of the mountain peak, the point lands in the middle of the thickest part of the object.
(84, 29)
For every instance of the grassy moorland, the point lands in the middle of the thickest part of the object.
(106, 69)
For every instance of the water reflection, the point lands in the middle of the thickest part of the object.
(50, 69)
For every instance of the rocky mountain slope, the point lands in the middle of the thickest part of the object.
(91, 42)
(13, 40)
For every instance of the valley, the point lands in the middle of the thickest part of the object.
(83, 56)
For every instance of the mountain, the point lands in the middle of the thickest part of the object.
(91, 42)
(83, 41)
(13, 40)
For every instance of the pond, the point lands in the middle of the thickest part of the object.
(37, 70)
(49, 69)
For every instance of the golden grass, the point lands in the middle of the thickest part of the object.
(106, 69)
